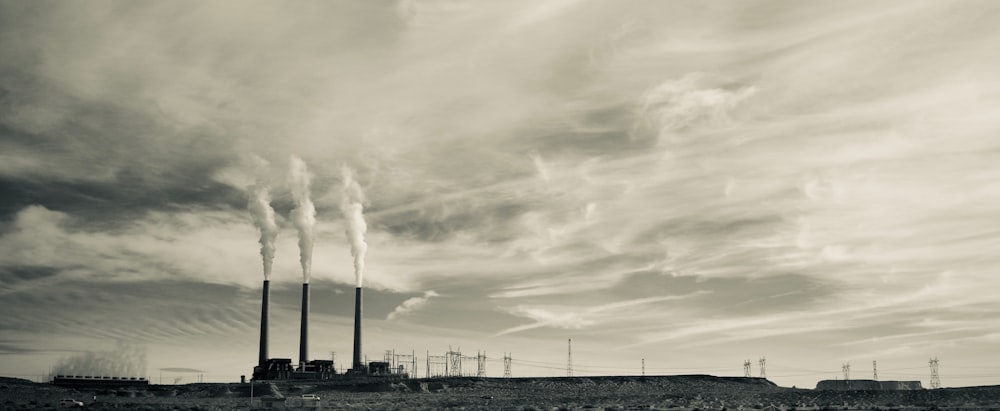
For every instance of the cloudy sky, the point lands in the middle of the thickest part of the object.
(694, 184)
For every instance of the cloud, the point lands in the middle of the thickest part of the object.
(411, 305)
(547, 159)
(570, 318)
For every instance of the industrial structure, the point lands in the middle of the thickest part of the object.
(281, 368)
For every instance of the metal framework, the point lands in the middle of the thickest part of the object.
(404, 364)
(437, 365)
(454, 363)
(875, 370)
(935, 378)
(506, 365)
(481, 364)
(569, 358)
(746, 368)
(763, 370)
(846, 368)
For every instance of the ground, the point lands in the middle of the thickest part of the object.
(676, 393)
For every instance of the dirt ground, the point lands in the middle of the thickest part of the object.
(676, 393)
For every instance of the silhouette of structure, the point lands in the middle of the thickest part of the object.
(437, 365)
(506, 365)
(569, 357)
(846, 368)
(875, 370)
(935, 378)
(746, 368)
(763, 369)
(454, 363)
(480, 364)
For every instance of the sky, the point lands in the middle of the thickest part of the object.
(682, 184)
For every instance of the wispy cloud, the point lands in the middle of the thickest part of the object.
(411, 305)
(574, 318)
(822, 171)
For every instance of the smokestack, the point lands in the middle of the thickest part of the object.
(262, 361)
(304, 333)
(357, 365)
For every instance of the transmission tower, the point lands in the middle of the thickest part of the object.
(935, 378)
(847, 371)
(480, 364)
(763, 369)
(454, 363)
(875, 370)
(746, 368)
(506, 365)
(569, 357)
(643, 367)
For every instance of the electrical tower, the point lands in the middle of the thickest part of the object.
(847, 371)
(480, 364)
(763, 369)
(454, 363)
(643, 367)
(935, 378)
(569, 357)
(875, 370)
(506, 365)
(746, 368)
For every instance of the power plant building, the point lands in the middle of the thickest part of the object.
(284, 369)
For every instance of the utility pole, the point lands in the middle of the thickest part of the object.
(875, 370)
(569, 358)
(643, 367)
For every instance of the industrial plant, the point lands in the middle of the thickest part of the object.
(283, 369)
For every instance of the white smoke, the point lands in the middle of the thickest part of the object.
(352, 205)
(304, 214)
(263, 218)
(126, 360)
(411, 305)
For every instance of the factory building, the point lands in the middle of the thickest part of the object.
(284, 369)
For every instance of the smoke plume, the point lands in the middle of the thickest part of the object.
(304, 214)
(263, 218)
(126, 360)
(351, 204)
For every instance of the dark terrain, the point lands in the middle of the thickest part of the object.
(680, 393)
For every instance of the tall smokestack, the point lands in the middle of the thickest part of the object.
(304, 330)
(357, 365)
(262, 361)
(352, 205)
